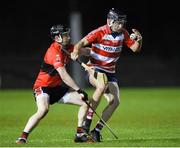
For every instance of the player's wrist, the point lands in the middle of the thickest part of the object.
(83, 94)
(76, 49)
(77, 89)
(139, 38)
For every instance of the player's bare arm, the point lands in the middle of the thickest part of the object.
(67, 78)
(85, 51)
(136, 47)
(77, 47)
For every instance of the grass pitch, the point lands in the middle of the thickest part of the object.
(145, 117)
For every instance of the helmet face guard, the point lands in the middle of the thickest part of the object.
(116, 16)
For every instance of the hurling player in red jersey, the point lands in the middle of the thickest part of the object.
(48, 88)
(107, 42)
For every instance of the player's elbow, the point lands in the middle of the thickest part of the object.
(137, 50)
(136, 47)
(63, 78)
(62, 73)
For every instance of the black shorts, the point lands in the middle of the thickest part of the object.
(110, 76)
(55, 93)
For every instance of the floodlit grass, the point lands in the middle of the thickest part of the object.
(145, 117)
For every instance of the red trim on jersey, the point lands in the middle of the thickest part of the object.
(114, 43)
(96, 35)
(102, 63)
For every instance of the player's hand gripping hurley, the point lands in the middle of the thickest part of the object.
(100, 77)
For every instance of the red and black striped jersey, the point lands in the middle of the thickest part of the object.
(53, 59)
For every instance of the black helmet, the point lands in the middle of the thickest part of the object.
(116, 15)
(58, 29)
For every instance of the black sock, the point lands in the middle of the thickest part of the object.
(99, 126)
(87, 124)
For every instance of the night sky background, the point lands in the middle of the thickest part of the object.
(24, 29)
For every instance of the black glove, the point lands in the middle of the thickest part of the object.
(84, 94)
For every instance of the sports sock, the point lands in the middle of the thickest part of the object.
(24, 135)
(88, 120)
(90, 114)
(99, 126)
(80, 131)
(87, 124)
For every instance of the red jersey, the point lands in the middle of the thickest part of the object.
(106, 47)
(53, 59)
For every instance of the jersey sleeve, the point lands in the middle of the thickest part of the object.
(92, 36)
(127, 40)
(54, 57)
(58, 60)
(61, 59)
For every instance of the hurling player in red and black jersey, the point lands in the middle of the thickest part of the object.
(48, 87)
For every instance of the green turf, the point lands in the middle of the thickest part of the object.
(146, 117)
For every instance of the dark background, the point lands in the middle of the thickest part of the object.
(24, 38)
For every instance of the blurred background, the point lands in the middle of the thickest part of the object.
(24, 38)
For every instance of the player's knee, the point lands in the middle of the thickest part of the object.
(42, 112)
(115, 101)
(110, 100)
(101, 88)
(84, 105)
